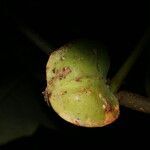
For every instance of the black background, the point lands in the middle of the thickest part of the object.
(118, 25)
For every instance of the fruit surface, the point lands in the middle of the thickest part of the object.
(76, 84)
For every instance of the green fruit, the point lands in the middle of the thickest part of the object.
(76, 84)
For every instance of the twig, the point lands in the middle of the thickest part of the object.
(134, 101)
(30, 34)
(36, 39)
(126, 67)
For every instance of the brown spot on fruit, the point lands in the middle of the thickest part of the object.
(87, 91)
(54, 70)
(76, 122)
(108, 107)
(78, 79)
(51, 81)
(111, 115)
(63, 92)
(59, 74)
(62, 73)
(62, 58)
(66, 70)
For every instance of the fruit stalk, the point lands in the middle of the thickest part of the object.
(126, 67)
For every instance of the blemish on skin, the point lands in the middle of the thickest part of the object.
(62, 58)
(63, 92)
(100, 95)
(76, 122)
(111, 115)
(51, 81)
(54, 70)
(87, 91)
(104, 107)
(77, 97)
(64, 72)
(108, 108)
(78, 79)
(102, 98)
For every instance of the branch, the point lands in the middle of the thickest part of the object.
(134, 101)
(126, 67)
(46, 47)
(36, 39)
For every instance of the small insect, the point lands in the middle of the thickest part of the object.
(82, 75)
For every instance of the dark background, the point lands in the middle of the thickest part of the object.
(118, 25)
